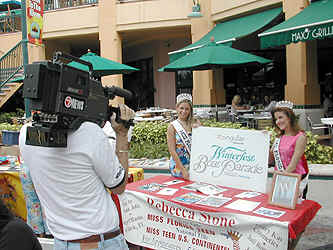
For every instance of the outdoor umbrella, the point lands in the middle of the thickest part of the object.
(6, 5)
(102, 66)
(213, 56)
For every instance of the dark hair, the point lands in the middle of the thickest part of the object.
(291, 115)
(5, 215)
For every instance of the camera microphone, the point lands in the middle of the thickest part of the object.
(119, 92)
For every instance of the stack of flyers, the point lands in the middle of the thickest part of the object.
(167, 191)
(189, 198)
(173, 182)
(213, 201)
(248, 194)
(269, 212)
(152, 187)
(211, 189)
(194, 186)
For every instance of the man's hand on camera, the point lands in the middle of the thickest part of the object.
(125, 114)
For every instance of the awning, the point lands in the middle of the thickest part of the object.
(212, 56)
(227, 32)
(314, 22)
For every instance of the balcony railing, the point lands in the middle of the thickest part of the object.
(10, 22)
(60, 4)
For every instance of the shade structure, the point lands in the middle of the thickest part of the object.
(214, 56)
(13, 4)
(314, 22)
(102, 66)
(229, 31)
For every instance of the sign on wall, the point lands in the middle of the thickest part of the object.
(35, 11)
(230, 157)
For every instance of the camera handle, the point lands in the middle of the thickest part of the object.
(60, 54)
(126, 124)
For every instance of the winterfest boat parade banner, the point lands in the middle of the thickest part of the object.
(157, 223)
(230, 157)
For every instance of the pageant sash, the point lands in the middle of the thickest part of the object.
(183, 135)
(280, 167)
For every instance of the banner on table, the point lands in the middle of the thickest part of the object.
(35, 11)
(230, 157)
(159, 224)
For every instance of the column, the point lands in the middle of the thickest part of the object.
(205, 82)
(110, 41)
(302, 73)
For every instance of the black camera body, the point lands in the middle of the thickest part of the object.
(62, 98)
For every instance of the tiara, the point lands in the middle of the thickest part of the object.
(184, 96)
(284, 104)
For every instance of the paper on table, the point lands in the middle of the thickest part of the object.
(210, 189)
(173, 182)
(167, 191)
(243, 205)
(269, 212)
(247, 194)
(213, 201)
(194, 186)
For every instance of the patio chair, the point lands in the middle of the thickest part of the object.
(324, 138)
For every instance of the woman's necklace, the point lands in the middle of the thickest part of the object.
(185, 125)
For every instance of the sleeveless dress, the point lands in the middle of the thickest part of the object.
(183, 156)
(287, 149)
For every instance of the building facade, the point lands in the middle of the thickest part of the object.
(141, 33)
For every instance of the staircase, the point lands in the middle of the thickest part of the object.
(11, 73)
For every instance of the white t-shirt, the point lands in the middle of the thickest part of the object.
(70, 182)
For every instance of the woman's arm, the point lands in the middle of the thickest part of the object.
(171, 137)
(298, 153)
(271, 157)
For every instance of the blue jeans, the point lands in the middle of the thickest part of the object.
(117, 243)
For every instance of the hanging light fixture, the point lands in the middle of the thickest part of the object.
(195, 9)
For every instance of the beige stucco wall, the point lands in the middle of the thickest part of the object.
(152, 14)
(70, 22)
(226, 9)
(8, 41)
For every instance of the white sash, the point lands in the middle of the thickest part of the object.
(279, 165)
(183, 135)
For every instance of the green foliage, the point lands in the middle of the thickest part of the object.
(7, 117)
(149, 139)
(314, 152)
(10, 127)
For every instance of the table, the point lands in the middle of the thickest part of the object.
(158, 221)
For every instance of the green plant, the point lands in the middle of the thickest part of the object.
(10, 127)
(7, 117)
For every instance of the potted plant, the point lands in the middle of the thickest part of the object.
(10, 133)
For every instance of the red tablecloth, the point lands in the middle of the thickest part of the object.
(297, 219)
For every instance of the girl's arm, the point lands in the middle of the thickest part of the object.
(171, 137)
(298, 153)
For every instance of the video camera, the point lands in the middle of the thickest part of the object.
(62, 98)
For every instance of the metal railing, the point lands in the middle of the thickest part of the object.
(60, 4)
(10, 22)
(11, 64)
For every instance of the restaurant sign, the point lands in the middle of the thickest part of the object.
(159, 224)
(310, 33)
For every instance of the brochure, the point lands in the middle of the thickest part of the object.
(152, 187)
(189, 198)
(214, 201)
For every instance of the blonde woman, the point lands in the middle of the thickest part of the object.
(179, 137)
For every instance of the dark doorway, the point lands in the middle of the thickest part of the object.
(141, 84)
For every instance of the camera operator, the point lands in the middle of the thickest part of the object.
(71, 184)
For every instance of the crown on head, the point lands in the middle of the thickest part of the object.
(184, 96)
(284, 104)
